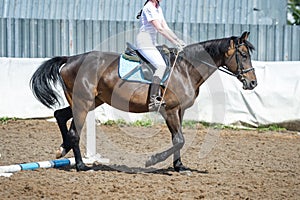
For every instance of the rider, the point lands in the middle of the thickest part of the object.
(153, 21)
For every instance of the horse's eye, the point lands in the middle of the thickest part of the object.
(244, 54)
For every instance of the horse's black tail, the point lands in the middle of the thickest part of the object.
(44, 80)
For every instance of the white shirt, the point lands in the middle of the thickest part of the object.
(150, 13)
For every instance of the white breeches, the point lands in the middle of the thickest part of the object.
(146, 45)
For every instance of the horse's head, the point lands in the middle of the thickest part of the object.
(238, 61)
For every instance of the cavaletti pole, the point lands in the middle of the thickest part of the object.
(35, 165)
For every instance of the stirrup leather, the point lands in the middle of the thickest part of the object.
(155, 103)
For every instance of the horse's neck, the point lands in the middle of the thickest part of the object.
(213, 50)
(202, 62)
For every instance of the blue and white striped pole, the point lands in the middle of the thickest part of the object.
(9, 169)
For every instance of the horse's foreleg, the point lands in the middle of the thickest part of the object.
(178, 143)
(177, 163)
(62, 116)
(174, 125)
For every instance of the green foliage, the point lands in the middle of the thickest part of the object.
(194, 124)
(223, 127)
(189, 124)
(4, 120)
(119, 122)
(294, 9)
(142, 123)
(271, 127)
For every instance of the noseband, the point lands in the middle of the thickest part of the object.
(241, 70)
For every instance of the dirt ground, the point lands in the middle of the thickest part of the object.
(225, 164)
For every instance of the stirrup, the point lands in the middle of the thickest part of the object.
(155, 103)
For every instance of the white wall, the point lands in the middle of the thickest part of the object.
(276, 98)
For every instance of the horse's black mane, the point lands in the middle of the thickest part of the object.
(219, 47)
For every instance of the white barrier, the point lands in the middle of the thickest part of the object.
(274, 100)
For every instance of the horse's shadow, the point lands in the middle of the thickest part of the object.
(134, 170)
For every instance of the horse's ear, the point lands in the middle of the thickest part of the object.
(231, 44)
(231, 49)
(244, 36)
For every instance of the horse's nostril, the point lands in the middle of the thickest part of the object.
(253, 84)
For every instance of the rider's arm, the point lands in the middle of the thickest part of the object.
(163, 29)
(171, 33)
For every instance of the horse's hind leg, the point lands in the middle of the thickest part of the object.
(74, 138)
(71, 137)
(80, 109)
(62, 116)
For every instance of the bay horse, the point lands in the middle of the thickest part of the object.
(91, 79)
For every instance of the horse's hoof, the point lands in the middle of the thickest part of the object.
(182, 169)
(61, 152)
(186, 172)
(148, 163)
(82, 167)
(151, 161)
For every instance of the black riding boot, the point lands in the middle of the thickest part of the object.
(155, 95)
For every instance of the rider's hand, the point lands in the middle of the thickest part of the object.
(179, 48)
(180, 45)
(181, 42)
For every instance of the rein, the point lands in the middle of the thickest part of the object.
(172, 69)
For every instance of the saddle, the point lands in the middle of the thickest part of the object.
(132, 54)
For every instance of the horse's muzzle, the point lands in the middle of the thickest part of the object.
(249, 85)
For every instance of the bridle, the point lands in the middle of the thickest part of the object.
(241, 70)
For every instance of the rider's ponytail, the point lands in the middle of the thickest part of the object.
(140, 13)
